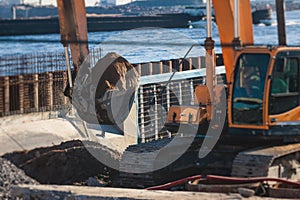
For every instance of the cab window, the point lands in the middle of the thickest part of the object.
(284, 94)
(248, 88)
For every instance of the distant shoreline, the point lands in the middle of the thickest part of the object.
(95, 24)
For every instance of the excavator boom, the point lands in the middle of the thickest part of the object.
(73, 29)
(224, 11)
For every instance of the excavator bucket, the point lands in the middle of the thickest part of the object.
(104, 94)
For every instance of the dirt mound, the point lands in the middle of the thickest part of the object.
(69, 163)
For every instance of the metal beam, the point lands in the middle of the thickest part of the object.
(73, 29)
(280, 12)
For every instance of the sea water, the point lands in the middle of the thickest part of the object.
(150, 44)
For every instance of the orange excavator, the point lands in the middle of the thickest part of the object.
(263, 81)
(262, 101)
(262, 131)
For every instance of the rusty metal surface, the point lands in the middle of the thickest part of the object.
(34, 82)
(27, 80)
(35, 63)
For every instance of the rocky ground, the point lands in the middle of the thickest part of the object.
(11, 175)
(69, 163)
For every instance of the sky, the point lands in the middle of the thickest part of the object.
(53, 2)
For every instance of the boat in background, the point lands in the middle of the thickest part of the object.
(95, 23)
(28, 19)
(262, 15)
(201, 23)
(197, 24)
(259, 16)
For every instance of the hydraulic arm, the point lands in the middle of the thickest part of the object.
(73, 31)
(224, 11)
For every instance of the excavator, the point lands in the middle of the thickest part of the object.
(261, 135)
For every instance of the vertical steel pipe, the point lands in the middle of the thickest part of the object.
(68, 62)
(208, 19)
(210, 55)
(236, 19)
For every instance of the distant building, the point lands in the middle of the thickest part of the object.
(168, 3)
(114, 2)
(10, 2)
(194, 1)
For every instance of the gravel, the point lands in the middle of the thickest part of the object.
(11, 175)
(69, 163)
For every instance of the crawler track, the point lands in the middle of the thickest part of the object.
(221, 160)
(267, 161)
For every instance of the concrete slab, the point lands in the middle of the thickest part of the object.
(26, 132)
(46, 192)
(30, 132)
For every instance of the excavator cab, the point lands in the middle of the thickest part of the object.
(263, 95)
(264, 91)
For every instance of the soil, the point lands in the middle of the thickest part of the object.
(69, 163)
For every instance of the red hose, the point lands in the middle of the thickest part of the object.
(222, 178)
(251, 180)
(174, 183)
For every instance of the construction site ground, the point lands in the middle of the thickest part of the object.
(43, 158)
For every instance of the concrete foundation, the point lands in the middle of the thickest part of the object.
(26, 132)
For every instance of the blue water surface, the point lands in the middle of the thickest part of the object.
(149, 44)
